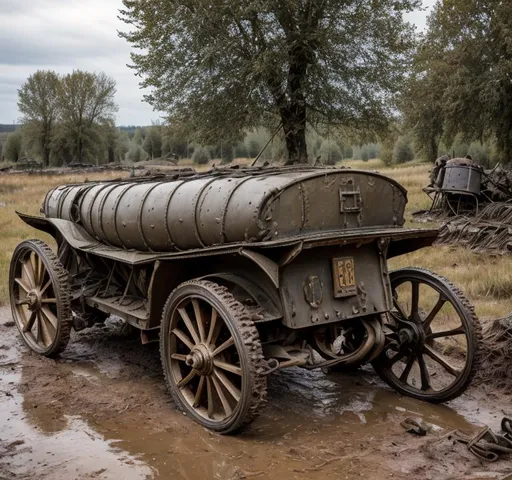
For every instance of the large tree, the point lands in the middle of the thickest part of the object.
(38, 104)
(87, 107)
(221, 66)
(469, 69)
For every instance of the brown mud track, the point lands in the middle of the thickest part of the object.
(101, 412)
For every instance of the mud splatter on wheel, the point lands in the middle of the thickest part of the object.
(40, 298)
(212, 357)
(433, 337)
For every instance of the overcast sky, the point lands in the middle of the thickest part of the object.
(63, 35)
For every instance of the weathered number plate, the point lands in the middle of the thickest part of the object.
(344, 276)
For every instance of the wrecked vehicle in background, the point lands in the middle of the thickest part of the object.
(239, 273)
(474, 204)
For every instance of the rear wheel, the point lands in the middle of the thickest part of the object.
(212, 357)
(40, 297)
(433, 337)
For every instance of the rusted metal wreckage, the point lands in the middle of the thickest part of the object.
(242, 272)
(474, 204)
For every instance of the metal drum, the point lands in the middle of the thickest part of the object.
(211, 209)
(462, 178)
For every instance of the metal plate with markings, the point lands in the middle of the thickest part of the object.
(344, 276)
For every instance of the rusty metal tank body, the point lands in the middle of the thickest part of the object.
(215, 209)
(238, 273)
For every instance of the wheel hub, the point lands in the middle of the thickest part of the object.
(411, 335)
(200, 358)
(34, 300)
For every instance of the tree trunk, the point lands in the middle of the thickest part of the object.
(46, 156)
(294, 127)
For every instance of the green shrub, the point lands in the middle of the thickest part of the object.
(241, 151)
(403, 151)
(12, 149)
(136, 154)
(330, 153)
(201, 156)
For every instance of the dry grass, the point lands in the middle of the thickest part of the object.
(25, 193)
(486, 280)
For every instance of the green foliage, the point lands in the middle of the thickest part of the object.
(479, 153)
(348, 152)
(86, 103)
(138, 136)
(38, 102)
(330, 153)
(403, 151)
(153, 141)
(136, 154)
(221, 68)
(13, 148)
(241, 150)
(464, 74)
(201, 156)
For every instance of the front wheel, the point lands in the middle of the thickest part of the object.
(212, 356)
(40, 297)
(433, 337)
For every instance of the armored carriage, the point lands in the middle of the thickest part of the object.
(239, 273)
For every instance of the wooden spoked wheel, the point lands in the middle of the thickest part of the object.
(433, 337)
(212, 356)
(40, 298)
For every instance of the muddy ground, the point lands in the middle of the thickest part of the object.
(101, 412)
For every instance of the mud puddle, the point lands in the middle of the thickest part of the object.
(101, 412)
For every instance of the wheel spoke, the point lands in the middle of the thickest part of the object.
(209, 391)
(228, 367)
(226, 344)
(434, 311)
(199, 319)
(22, 284)
(50, 316)
(232, 389)
(29, 273)
(214, 328)
(22, 302)
(35, 267)
(415, 301)
(225, 404)
(188, 323)
(399, 308)
(48, 300)
(42, 272)
(395, 358)
(45, 333)
(199, 392)
(185, 380)
(408, 368)
(441, 360)
(30, 323)
(425, 376)
(39, 335)
(48, 283)
(447, 333)
(183, 337)
(178, 356)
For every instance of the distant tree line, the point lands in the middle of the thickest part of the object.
(65, 118)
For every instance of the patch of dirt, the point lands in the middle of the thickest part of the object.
(101, 412)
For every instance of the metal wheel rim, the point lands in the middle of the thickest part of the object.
(204, 359)
(34, 300)
(425, 350)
